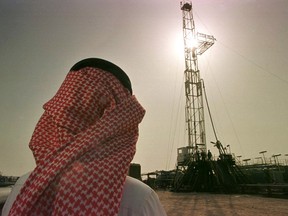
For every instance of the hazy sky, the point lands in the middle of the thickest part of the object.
(245, 71)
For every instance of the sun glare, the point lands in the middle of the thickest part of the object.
(191, 42)
(178, 46)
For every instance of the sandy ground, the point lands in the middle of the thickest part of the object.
(201, 204)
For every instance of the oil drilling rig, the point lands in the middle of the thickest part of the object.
(196, 169)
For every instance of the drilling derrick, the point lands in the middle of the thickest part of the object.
(194, 44)
(196, 170)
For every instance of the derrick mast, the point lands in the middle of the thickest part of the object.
(196, 170)
(194, 44)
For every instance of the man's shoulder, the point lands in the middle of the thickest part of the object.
(135, 192)
(131, 184)
(139, 199)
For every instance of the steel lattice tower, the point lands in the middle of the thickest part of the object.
(196, 170)
(194, 44)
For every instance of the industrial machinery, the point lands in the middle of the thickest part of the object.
(194, 44)
(196, 169)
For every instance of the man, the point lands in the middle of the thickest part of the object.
(83, 145)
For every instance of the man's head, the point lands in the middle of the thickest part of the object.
(105, 66)
(88, 133)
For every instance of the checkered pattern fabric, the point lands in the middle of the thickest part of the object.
(83, 145)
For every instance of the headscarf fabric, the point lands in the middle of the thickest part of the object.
(83, 145)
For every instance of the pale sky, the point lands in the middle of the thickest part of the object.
(245, 71)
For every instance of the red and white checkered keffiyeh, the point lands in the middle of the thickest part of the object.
(83, 145)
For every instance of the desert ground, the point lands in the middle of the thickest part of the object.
(204, 204)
